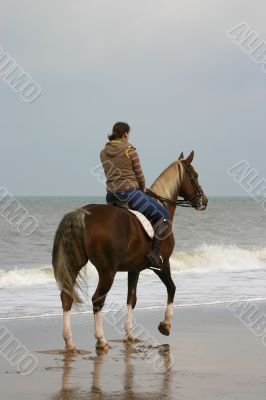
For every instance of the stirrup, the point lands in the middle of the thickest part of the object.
(156, 268)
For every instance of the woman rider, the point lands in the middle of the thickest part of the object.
(126, 183)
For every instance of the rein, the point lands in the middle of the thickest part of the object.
(180, 203)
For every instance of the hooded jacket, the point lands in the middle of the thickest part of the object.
(119, 163)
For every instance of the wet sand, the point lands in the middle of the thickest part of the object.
(209, 355)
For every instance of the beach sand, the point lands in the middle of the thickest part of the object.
(209, 355)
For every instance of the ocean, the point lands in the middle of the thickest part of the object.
(219, 257)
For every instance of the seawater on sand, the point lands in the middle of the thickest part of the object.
(214, 356)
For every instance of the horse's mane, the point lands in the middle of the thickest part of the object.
(169, 181)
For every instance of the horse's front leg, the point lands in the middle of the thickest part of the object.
(165, 276)
(131, 303)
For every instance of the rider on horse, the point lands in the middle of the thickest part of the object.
(126, 185)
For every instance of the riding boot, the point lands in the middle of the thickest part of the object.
(161, 232)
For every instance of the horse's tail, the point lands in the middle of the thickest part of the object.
(70, 229)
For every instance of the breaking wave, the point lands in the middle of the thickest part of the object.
(219, 258)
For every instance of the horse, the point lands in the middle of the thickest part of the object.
(113, 240)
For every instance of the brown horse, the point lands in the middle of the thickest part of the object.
(113, 240)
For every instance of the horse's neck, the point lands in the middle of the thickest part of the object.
(168, 185)
(169, 182)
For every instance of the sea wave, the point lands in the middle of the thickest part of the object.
(204, 259)
(22, 276)
(219, 258)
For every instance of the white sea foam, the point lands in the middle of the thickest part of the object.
(204, 259)
(21, 276)
(34, 276)
(214, 258)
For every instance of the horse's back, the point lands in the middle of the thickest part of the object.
(114, 222)
(108, 220)
(106, 211)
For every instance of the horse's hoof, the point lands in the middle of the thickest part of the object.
(103, 347)
(130, 339)
(71, 350)
(164, 328)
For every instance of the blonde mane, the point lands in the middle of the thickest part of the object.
(168, 183)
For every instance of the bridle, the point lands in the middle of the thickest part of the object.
(197, 198)
(193, 201)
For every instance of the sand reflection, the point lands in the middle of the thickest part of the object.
(110, 379)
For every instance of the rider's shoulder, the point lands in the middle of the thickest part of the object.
(130, 146)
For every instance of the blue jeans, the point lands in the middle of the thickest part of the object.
(140, 201)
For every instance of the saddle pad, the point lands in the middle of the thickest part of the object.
(145, 223)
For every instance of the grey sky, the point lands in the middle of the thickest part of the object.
(166, 67)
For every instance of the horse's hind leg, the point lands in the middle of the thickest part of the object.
(67, 302)
(106, 279)
(165, 276)
(131, 303)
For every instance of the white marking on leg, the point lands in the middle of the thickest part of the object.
(98, 329)
(128, 325)
(169, 313)
(67, 331)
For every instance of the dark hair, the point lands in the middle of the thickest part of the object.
(119, 129)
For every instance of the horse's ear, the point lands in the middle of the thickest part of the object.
(190, 158)
(181, 156)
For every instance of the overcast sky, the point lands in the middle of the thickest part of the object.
(167, 67)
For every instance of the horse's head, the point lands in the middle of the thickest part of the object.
(190, 188)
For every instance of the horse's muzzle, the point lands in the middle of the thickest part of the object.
(200, 203)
